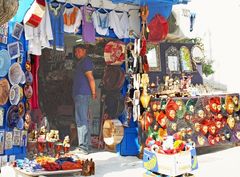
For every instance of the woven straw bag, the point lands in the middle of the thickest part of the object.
(8, 8)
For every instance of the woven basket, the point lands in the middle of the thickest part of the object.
(8, 8)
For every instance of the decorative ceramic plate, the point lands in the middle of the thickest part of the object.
(4, 91)
(29, 77)
(28, 91)
(15, 94)
(5, 62)
(21, 109)
(15, 73)
(12, 116)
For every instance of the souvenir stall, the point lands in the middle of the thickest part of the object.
(21, 137)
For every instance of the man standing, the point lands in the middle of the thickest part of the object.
(83, 89)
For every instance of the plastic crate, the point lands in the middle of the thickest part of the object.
(129, 145)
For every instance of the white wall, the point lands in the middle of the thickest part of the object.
(219, 24)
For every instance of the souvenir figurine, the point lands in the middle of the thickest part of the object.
(145, 98)
(66, 144)
(184, 84)
(50, 141)
(42, 140)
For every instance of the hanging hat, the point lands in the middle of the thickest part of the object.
(5, 62)
(21, 109)
(2, 114)
(171, 106)
(190, 105)
(181, 109)
(15, 74)
(114, 53)
(12, 116)
(28, 91)
(4, 91)
(29, 77)
(9, 9)
(15, 94)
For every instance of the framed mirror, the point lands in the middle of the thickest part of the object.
(153, 56)
(185, 58)
(197, 54)
(172, 60)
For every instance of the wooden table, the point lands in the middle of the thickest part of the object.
(9, 171)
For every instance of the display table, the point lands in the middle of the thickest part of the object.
(16, 172)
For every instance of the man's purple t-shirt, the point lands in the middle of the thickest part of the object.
(80, 82)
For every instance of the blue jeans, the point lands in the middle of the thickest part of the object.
(81, 116)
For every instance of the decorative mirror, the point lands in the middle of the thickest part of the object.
(185, 58)
(172, 60)
(197, 54)
(153, 56)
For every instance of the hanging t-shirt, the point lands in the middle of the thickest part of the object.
(72, 19)
(119, 23)
(101, 22)
(134, 21)
(56, 17)
(88, 31)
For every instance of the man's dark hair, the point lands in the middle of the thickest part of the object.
(83, 46)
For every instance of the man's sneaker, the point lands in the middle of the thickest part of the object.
(83, 151)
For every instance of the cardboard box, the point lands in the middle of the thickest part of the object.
(172, 165)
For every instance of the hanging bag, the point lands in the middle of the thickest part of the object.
(158, 29)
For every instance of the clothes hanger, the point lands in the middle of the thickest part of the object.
(89, 4)
(101, 7)
(68, 2)
(53, 2)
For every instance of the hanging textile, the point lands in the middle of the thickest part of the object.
(35, 66)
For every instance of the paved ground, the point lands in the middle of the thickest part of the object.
(219, 162)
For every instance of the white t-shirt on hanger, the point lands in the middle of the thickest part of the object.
(101, 22)
(72, 27)
(119, 23)
(134, 21)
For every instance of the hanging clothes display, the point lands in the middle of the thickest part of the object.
(119, 23)
(40, 36)
(134, 21)
(72, 19)
(88, 31)
(56, 17)
(101, 22)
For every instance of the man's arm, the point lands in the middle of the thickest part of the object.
(91, 81)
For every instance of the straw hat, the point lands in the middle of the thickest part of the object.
(4, 91)
(7, 10)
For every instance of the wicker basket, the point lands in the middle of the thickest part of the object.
(8, 8)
